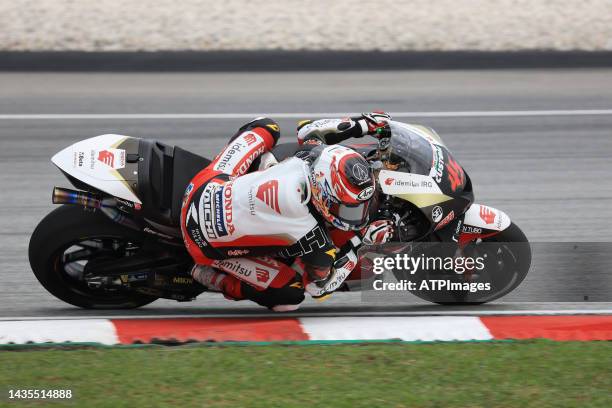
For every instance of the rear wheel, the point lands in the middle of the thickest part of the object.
(66, 240)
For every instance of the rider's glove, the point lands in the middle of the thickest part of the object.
(377, 232)
(333, 131)
(343, 266)
(328, 131)
(375, 121)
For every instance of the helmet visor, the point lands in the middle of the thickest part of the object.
(352, 214)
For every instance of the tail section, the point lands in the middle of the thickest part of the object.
(105, 163)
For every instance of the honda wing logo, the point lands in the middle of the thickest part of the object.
(113, 158)
(268, 193)
(262, 274)
(250, 139)
(487, 215)
(107, 158)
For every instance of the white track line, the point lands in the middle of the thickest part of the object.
(301, 115)
(332, 314)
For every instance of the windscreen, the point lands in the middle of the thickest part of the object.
(410, 149)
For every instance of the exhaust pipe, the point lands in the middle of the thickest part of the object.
(67, 196)
(108, 206)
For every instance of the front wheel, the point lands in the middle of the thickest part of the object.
(506, 257)
(62, 244)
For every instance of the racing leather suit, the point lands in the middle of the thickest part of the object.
(247, 225)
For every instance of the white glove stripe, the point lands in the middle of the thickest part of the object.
(363, 124)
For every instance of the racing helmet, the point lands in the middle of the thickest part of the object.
(342, 185)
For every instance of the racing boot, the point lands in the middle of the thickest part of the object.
(216, 281)
(208, 277)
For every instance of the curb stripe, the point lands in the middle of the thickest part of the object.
(58, 331)
(560, 328)
(182, 330)
(308, 329)
(437, 328)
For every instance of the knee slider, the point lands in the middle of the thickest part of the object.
(290, 294)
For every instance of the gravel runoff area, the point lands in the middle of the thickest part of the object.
(388, 25)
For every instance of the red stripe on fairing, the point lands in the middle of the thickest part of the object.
(466, 237)
(560, 328)
(146, 330)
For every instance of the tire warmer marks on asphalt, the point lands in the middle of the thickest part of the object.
(399, 328)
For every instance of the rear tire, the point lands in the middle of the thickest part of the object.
(60, 230)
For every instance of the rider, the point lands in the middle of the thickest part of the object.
(243, 230)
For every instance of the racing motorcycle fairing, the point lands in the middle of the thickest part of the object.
(421, 190)
(419, 150)
(419, 169)
(103, 162)
(483, 221)
(149, 175)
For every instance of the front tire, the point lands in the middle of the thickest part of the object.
(517, 258)
(69, 227)
(508, 259)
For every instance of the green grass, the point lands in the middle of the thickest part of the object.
(505, 374)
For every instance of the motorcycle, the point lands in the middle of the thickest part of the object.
(115, 241)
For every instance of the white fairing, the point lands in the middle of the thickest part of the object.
(96, 162)
(485, 217)
(396, 183)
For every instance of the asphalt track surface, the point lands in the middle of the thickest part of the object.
(549, 171)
